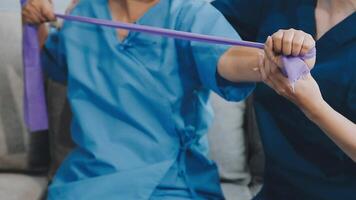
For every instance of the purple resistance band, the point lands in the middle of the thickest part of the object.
(35, 107)
(294, 67)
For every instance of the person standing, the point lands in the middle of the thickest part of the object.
(310, 145)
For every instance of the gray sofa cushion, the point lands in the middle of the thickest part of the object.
(19, 150)
(256, 157)
(22, 187)
(227, 140)
(233, 191)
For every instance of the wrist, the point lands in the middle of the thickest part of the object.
(316, 111)
(260, 64)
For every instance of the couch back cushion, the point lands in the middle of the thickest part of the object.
(227, 140)
(19, 150)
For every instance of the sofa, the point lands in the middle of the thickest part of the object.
(28, 161)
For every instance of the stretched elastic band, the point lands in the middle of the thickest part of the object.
(34, 101)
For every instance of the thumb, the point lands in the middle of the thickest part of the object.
(48, 11)
(271, 55)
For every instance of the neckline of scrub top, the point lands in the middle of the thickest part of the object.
(340, 34)
(151, 17)
(333, 38)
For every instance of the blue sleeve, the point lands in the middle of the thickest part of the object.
(206, 56)
(53, 57)
(244, 15)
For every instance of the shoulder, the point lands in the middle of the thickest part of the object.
(192, 10)
(193, 6)
(251, 4)
(83, 6)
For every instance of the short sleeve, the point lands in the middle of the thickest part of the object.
(206, 56)
(53, 57)
(244, 15)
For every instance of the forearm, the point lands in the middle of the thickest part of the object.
(241, 64)
(341, 130)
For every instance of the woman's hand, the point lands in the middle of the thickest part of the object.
(287, 43)
(291, 42)
(305, 94)
(38, 11)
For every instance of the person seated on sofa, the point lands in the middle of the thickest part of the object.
(139, 102)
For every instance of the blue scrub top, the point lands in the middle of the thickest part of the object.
(140, 106)
(302, 163)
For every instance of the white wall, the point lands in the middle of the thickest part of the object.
(13, 5)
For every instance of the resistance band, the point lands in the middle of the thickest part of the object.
(35, 109)
(294, 67)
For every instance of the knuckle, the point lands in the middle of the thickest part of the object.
(309, 45)
(309, 36)
(297, 45)
(277, 36)
(287, 42)
(295, 53)
(300, 32)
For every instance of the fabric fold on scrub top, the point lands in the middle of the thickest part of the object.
(140, 106)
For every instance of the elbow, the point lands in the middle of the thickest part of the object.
(353, 157)
(352, 154)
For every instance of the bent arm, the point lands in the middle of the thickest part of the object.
(308, 98)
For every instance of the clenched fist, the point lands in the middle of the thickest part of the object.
(38, 11)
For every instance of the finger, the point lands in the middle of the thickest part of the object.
(35, 13)
(49, 16)
(47, 11)
(297, 43)
(263, 72)
(25, 16)
(275, 86)
(277, 41)
(274, 68)
(269, 47)
(269, 83)
(267, 67)
(31, 17)
(287, 42)
(271, 54)
(268, 55)
(283, 83)
(308, 44)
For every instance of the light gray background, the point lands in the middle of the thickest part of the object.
(59, 5)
